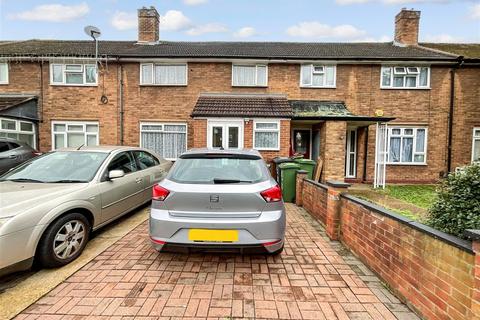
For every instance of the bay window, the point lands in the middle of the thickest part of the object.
(73, 74)
(266, 135)
(19, 130)
(249, 75)
(317, 76)
(163, 74)
(476, 145)
(167, 139)
(407, 145)
(3, 73)
(405, 77)
(73, 134)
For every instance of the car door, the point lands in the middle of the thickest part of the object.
(151, 169)
(8, 156)
(121, 194)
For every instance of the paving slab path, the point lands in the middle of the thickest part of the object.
(314, 278)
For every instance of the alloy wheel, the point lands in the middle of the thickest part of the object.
(69, 239)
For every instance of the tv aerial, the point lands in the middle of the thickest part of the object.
(95, 33)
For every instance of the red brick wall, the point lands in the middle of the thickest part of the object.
(357, 85)
(433, 276)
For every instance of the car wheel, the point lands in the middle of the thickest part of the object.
(276, 252)
(63, 241)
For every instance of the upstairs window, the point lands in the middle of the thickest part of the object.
(249, 75)
(406, 77)
(3, 73)
(163, 74)
(317, 76)
(407, 145)
(73, 74)
(476, 145)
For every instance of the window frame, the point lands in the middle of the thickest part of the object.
(7, 75)
(65, 133)
(312, 73)
(152, 64)
(405, 75)
(65, 71)
(153, 123)
(475, 139)
(414, 142)
(278, 130)
(18, 130)
(256, 65)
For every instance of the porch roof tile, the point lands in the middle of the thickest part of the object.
(242, 105)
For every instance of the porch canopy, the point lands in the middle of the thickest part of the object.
(231, 105)
(22, 107)
(314, 110)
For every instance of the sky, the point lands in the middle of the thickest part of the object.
(241, 20)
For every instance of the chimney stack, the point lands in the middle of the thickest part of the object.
(148, 25)
(407, 27)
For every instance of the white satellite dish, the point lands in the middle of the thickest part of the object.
(93, 32)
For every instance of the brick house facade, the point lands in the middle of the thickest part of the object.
(146, 93)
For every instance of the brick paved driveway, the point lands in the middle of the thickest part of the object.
(312, 279)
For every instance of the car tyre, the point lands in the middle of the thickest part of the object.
(63, 241)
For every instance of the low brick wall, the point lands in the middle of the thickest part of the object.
(431, 271)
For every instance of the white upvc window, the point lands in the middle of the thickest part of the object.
(73, 74)
(3, 73)
(255, 75)
(169, 140)
(163, 74)
(18, 130)
(403, 77)
(266, 134)
(407, 145)
(476, 145)
(317, 76)
(73, 134)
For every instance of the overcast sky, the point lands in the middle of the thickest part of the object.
(241, 20)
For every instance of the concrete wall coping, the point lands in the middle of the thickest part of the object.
(337, 184)
(318, 184)
(461, 244)
(472, 234)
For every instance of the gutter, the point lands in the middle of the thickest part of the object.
(451, 111)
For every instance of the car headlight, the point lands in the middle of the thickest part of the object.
(4, 220)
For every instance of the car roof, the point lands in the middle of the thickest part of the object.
(244, 152)
(106, 149)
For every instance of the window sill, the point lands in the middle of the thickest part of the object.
(3, 83)
(253, 86)
(73, 85)
(264, 149)
(390, 88)
(163, 85)
(405, 164)
(318, 87)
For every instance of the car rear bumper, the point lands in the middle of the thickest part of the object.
(263, 233)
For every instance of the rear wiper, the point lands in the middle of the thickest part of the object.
(219, 181)
(68, 181)
(24, 180)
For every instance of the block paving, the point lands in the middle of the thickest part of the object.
(314, 278)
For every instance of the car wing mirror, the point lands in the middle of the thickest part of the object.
(115, 174)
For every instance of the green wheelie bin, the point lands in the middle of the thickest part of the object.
(307, 165)
(288, 176)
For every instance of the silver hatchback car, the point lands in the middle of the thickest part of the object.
(218, 200)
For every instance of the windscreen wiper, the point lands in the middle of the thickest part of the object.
(24, 180)
(220, 181)
(68, 181)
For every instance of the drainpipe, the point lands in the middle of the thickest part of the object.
(365, 147)
(121, 104)
(451, 112)
(40, 106)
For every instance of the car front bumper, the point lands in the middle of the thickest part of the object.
(260, 234)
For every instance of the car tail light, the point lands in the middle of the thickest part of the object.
(159, 193)
(273, 194)
(271, 243)
(157, 241)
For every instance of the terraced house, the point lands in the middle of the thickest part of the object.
(406, 109)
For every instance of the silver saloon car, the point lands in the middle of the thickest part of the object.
(50, 204)
(218, 200)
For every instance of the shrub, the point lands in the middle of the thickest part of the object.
(458, 203)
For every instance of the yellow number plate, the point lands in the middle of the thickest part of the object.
(213, 235)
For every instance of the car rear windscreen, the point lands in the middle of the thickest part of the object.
(219, 170)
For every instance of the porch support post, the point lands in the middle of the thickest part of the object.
(301, 175)
(332, 223)
(474, 235)
(333, 138)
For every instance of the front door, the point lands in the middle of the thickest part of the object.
(301, 142)
(351, 154)
(225, 134)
